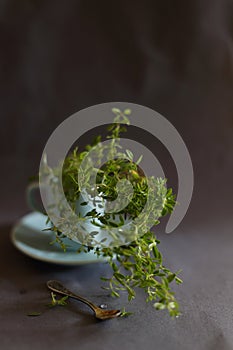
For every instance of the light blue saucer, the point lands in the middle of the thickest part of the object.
(28, 236)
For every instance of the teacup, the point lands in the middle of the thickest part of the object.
(35, 203)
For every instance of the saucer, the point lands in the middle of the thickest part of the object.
(28, 237)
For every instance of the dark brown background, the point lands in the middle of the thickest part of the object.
(176, 57)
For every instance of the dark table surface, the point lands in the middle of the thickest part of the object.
(203, 252)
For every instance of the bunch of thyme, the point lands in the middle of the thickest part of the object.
(140, 263)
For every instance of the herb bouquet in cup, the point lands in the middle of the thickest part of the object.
(114, 205)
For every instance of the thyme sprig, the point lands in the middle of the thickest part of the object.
(57, 302)
(140, 264)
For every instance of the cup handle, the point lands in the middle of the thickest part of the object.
(33, 197)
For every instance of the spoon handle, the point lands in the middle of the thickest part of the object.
(58, 287)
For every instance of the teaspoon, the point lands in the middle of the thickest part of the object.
(101, 314)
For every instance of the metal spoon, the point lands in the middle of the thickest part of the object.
(101, 314)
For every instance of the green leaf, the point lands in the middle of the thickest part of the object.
(115, 294)
(34, 313)
(139, 159)
(171, 277)
(129, 154)
(159, 306)
(116, 110)
(178, 280)
(114, 267)
(125, 313)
